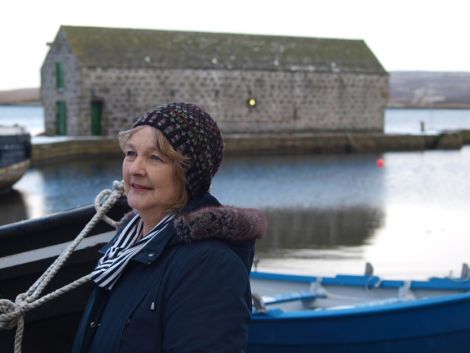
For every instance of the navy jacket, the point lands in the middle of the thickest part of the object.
(187, 291)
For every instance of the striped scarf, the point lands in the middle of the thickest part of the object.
(112, 264)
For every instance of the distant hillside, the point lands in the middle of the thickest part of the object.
(422, 89)
(20, 96)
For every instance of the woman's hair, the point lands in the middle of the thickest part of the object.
(180, 162)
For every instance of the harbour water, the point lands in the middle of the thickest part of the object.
(327, 213)
(31, 117)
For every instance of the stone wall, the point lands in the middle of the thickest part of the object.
(50, 95)
(286, 101)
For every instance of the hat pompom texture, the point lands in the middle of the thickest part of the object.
(191, 131)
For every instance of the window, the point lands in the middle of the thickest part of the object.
(59, 75)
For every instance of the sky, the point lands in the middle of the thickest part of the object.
(426, 35)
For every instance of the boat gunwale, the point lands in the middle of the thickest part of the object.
(367, 282)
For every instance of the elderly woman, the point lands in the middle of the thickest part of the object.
(175, 278)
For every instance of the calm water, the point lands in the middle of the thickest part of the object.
(31, 117)
(327, 214)
(406, 121)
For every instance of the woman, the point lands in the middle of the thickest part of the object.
(175, 278)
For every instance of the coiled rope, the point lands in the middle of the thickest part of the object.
(12, 313)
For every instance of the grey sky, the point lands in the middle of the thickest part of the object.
(404, 34)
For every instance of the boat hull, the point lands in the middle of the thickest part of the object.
(15, 154)
(11, 174)
(431, 326)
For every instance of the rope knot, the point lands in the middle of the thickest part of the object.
(10, 312)
(106, 198)
(118, 186)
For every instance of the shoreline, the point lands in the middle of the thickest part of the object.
(48, 150)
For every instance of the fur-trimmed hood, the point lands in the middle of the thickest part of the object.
(221, 222)
(206, 218)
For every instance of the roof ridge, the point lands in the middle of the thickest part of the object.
(150, 48)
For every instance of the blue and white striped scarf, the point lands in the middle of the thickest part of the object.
(112, 264)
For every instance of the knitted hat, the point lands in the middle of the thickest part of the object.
(191, 131)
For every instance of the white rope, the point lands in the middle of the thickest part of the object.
(12, 313)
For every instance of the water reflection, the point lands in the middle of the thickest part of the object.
(301, 181)
(33, 196)
(319, 228)
(295, 181)
(66, 185)
(78, 181)
(328, 214)
(13, 207)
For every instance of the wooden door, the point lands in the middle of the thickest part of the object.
(96, 117)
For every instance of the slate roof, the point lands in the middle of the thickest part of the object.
(137, 48)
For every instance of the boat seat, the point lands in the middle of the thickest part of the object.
(405, 293)
(260, 303)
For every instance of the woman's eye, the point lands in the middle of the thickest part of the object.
(155, 157)
(130, 154)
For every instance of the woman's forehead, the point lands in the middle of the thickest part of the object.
(143, 133)
(143, 138)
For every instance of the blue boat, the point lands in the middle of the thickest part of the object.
(291, 313)
(352, 314)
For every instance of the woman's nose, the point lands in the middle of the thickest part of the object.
(137, 167)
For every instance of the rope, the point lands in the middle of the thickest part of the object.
(12, 313)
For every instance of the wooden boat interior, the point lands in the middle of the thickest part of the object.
(300, 293)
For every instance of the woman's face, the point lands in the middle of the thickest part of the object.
(149, 177)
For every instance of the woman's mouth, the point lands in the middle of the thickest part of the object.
(139, 187)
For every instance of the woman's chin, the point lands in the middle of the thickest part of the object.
(134, 204)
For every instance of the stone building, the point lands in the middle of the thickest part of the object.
(95, 81)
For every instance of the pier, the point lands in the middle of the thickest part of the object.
(53, 149)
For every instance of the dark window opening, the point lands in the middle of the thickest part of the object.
(59, 76)
(96, 117)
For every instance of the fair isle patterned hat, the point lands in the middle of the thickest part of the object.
(193, 132)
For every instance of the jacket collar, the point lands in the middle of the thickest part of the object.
(154, 249)
(205, 218)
